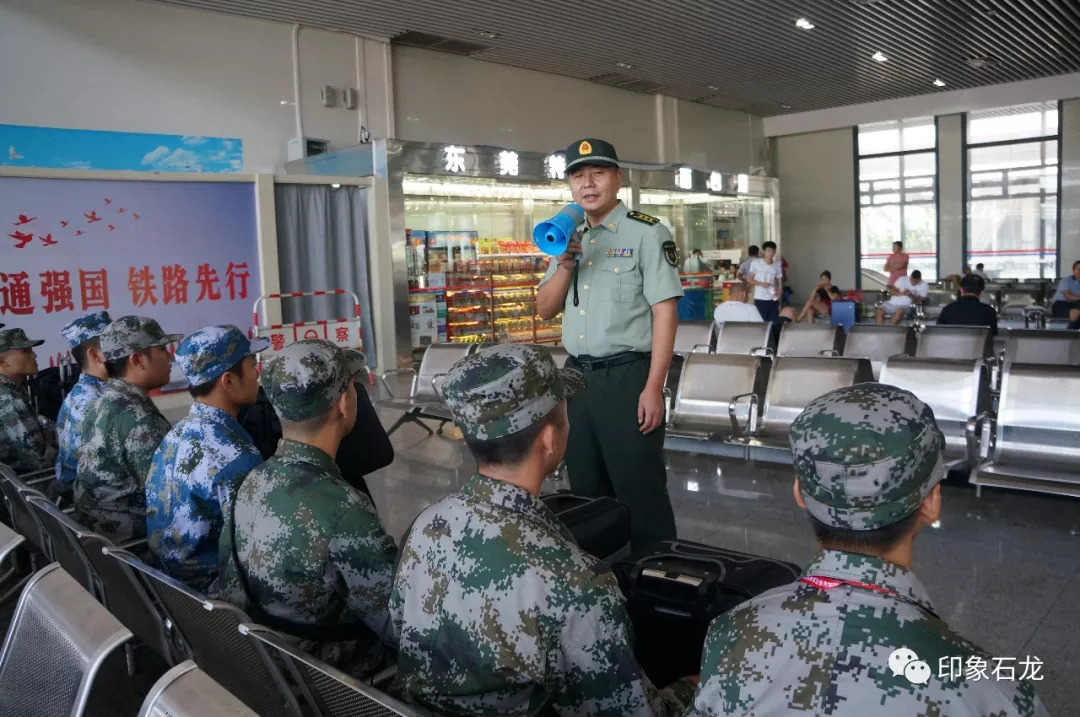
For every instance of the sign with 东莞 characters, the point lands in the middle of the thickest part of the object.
(182, 253)
(345, 332)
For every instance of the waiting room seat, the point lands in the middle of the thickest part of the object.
(1045, 346)
(187, 691)
(1014, 300)
(22, 518)
(937, 300)
(64, 547)
(58, 639)
(955, 342)
(793, 383)
(1037, 436)
(423, 400)
(810, 340)
(329, 691)
(716, 395)
(694, 336)
(743, 337)
(12, 579)
(9, 540)
(210, 629)
(958, 391)
(879, 343)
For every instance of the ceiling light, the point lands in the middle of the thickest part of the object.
(784, 106)
(803, 24)
(624, 65)
(714, 88)
(879, 56)
(939, 83)
(487, 33)
(335, 186)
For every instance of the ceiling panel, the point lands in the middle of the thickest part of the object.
(728, 53)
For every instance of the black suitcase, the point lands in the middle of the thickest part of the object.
(601, 526)
(675, 589)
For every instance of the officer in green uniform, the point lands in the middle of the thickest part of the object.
(617, 286)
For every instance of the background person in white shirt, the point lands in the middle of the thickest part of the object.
(736, 308)
(765, 276)
(905, 292)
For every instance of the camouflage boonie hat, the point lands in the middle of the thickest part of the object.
(305, 378)
(130, 334)
(504, 389)
(85, 328)
(210, 352)
(866, 456)
(11, 339)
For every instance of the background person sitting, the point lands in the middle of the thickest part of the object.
(819, 302)
(904, 293)
(1066, 302)
(980, 272)
(969, 310)
(736, 308)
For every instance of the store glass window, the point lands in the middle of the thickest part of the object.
(1012, 184)
(898, 194)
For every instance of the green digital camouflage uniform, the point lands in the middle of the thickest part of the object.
(27, 440)
(628, 263)
(120, 432)
(496, 609)
(857, 635)
(311, 547)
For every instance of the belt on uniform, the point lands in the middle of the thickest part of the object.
(591, 363)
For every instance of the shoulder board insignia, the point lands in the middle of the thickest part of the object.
(643, 218)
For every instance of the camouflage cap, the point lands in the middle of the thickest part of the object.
(11, 339)
(866, 456)
(305, 378)
(86, 327)
(504, 389)
(210, 352)
(130, 334)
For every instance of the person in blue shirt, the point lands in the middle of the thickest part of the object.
(82, 334)
(204, 457)
(1066, 303)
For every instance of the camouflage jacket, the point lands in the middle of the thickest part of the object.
(67, 425)
(194, 475)
(497, 611)
(27, 441)
(312, 548)
(829, 651)
(121, 430)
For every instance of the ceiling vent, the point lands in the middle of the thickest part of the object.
(625, 82)
(436, 42)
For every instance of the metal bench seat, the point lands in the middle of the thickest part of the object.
(423, 400)
(1036, 443)
(810, 340)
(694, 336)
(1043, 346)
(879, 343)
(955, 342)
(187, 691)
(958, 391)
(793, 383)
(743, 337)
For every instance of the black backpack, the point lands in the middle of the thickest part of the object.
(47, 390)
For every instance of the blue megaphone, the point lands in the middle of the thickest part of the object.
(553, 235)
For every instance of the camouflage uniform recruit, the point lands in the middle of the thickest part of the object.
(82, 393)
(27, 441)
(311, 547)
(121, 430)
(866, 457)
(199, 464)
(496, 609)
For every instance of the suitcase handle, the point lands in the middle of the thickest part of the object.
(695, 610)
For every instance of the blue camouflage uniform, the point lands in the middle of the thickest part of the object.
(82, 393)
(199, 464)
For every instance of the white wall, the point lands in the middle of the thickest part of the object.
(951, 184)
(817, 207)
(140, 67)
(710, 137)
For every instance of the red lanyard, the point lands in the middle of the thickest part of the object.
(824, 583)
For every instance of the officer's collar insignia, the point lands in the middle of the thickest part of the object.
(645, 218)
(584, 148)
(671, 252)
(627, 253)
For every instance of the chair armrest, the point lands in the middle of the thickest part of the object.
(708, 349)
(394, 372)
(132, 546)
(33, 483)
(39, 476)
(972, 432)
(828, 352)
(751, 423)
(667, 406)
(763, 351)
(436, 384)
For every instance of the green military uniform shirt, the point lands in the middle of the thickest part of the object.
(27, 441)
(628, 263)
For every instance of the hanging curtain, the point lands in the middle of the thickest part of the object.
(322, 244)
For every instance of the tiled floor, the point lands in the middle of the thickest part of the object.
(1003, 569)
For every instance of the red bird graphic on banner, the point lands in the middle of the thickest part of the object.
(135, 216)
(47, 240)
(79, 233)
(111, 227)
(23, 239)
(63, 223)
(108, 201)
(23, 219)
(92, 217)
(121, 210)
